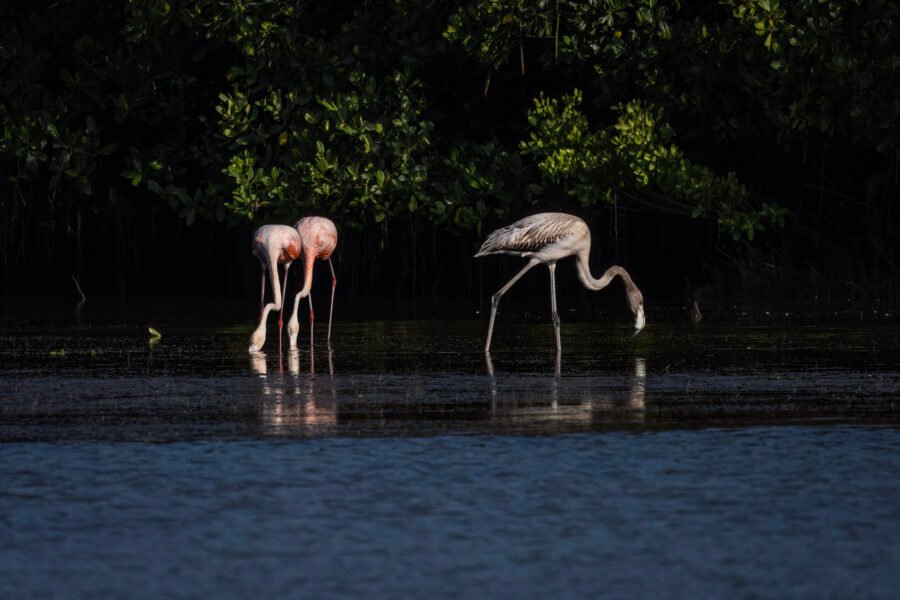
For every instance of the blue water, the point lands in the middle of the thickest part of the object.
(760, 511)
(725, 460)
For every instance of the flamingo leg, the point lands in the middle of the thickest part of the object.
(287, 266)
(331, 307)
(553, 314)
(312, 317)
(495, 300)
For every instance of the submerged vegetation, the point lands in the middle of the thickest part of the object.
(773, 125)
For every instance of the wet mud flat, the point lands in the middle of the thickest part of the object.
(422, 378)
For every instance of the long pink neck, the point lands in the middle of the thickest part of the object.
(309, 259)
(275, 282)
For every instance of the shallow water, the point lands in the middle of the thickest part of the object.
(734, 457)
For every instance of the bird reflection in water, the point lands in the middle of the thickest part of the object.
(637, 398)
(258, 363)
(575, 402)
(296, 403)
(489, 364)
(312, 360)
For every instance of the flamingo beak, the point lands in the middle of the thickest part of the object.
(639, 319)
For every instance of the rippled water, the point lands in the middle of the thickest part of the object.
(733, 458)
(775, 512)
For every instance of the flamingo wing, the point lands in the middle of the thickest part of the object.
(530, 234)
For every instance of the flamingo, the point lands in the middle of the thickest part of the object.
(319, 237)
(273, 245)
(547, 238)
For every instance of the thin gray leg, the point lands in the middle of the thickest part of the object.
(283, 292)
(331, 308)
(287, 266)
(553, 314)
(495, 300)
(312, 318)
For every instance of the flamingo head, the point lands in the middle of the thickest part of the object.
(293, 329)
(257, 340)
(636, 304)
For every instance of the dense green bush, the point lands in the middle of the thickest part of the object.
(426, 112)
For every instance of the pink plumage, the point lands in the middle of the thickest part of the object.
(320, 237)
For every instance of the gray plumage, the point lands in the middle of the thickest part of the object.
(546, 238)
(532, 233)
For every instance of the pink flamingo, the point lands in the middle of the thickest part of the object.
(320, 238)
(547, 238)
(273, 245)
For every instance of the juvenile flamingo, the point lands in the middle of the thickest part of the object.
(547, 238)
(319, 236)
(273, 245)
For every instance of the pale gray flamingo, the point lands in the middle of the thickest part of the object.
(320, 238)
(273, 245)
(547, 238)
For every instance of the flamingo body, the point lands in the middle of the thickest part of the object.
(547, 238)
(273, 245)
(319, 236)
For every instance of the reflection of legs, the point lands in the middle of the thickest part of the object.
(495, 300)
(331, 308)
(330, 361)
(553, 314)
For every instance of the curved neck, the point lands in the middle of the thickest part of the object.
(588, 280)
(275, 282)
(307, 276)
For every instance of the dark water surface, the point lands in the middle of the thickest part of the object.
(734, 458)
